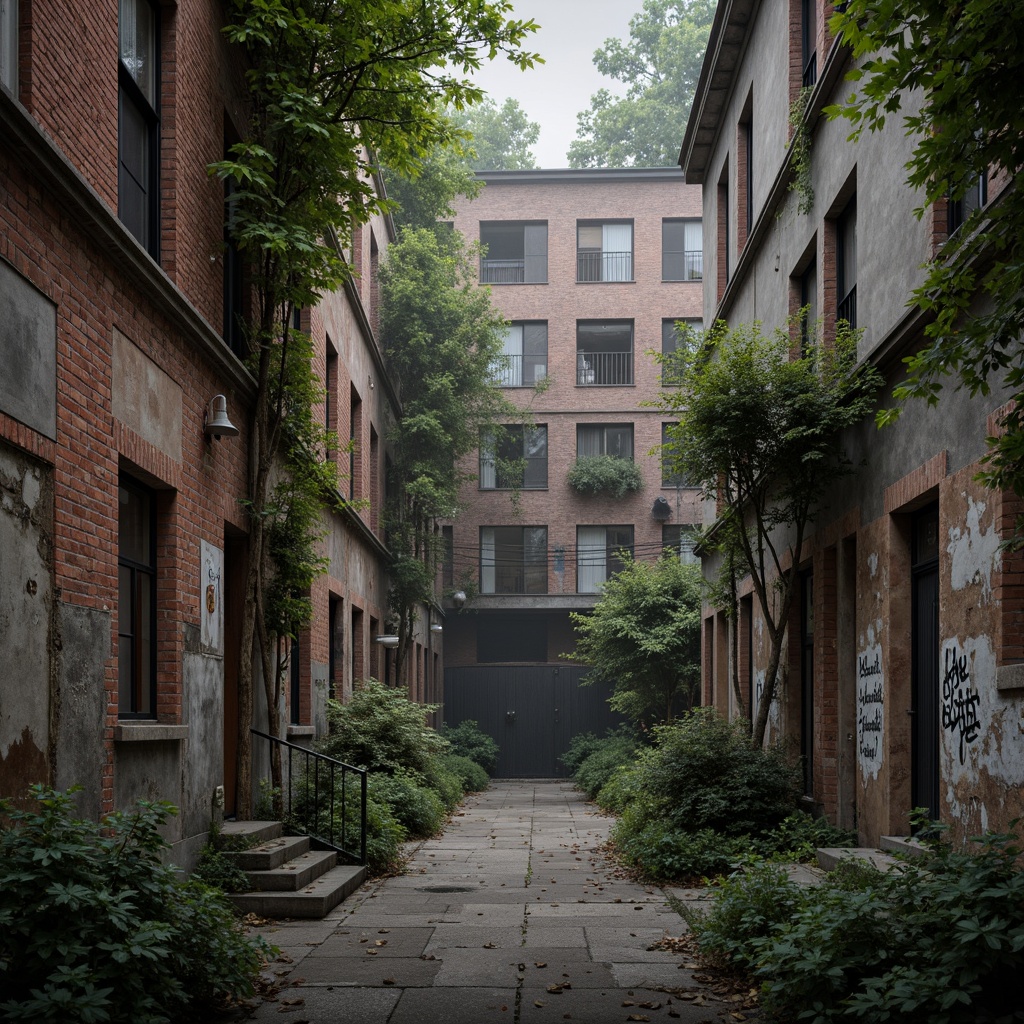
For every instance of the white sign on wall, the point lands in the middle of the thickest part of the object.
(211, 597)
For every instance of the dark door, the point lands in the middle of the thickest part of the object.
(925, 660)
(532, 713)
(807, 680)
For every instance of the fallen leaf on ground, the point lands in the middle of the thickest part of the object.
(389, 981)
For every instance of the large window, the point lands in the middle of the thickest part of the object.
(973, 199)
(9, 45)
(682, 541)
(671, 476)
(516, 252)
(138, 199)
(846, 264)
(676, 335)
(604, 251)
(513, 559)
(809, 41)
(809, 302)
(598, 554)
(605, 439)
(682, 250)
(604, 352)
(524, 360)
(515, 456)
(136, 605)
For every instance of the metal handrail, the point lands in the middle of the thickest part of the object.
(309, 811)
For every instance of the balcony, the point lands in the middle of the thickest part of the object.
(848, 308)
(693, 265)
(502, 271)
(604, 266)
(603, 369)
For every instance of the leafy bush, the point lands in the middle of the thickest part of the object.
(218, 869)
(419, 809)
(94, 927)
(472, 777)
(592, 761)
(617, 793)
(581, 746)
(607, 475)
(382, 730)
(798, 837)
(467, 739)
(445, 783)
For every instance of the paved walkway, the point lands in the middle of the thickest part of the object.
(511, 915)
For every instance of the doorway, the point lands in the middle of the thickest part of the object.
(924, 709)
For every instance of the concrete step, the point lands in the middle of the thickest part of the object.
(295, 873)
(271, 854)
(315, 900)
(254, 831)
(908, 847)
(829, 857)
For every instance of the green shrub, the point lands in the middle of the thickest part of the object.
(467, 739)
(619, 791)
(420, 810)
(594, 475)
(216, 867)
(472, 777)
(382, 730)
(581, 746)
(798, 837)
(617, 749)
(95, 927)
(445, 783)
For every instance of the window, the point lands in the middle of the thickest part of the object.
(724, 271)
(846, 264)
(670, 476)
(681, 540)
(448, 557)
(513, 559)
(676, 335)
(9, 45)
(973, 199)
(598, 554)
(745, 162)
(604, 352)
(136, 602)
(604, 252)
(516, 252)
(138, 122)
(516, 457)
(614, 439)
(511, 638)
(809, 302)
(524, 361)
(809, 41)
(682, 250)
(234, 276)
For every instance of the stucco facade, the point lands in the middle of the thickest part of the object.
(909, 691)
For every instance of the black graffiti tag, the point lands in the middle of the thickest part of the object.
(959, 701)
(870, 698)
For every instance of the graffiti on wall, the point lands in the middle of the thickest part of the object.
(870, 707)
(959, 699)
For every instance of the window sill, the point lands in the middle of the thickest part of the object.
(301, 730)
(149, 732)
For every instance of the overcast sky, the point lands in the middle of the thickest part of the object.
(553, 93)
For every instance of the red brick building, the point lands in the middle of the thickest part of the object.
(122, 536)
(592, 268)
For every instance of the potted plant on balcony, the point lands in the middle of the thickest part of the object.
(607, 475)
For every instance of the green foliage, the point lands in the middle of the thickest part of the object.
(953, 70)
(467, 739)
(500, 137)
(800, 145)
(759, 429)
(592, 761)
(662, 851)
(798, 838)
(643, 637)
(472, 778)
(659, 65)
(94, 927)
(936, 941)
(607, 475)
(381, 730)
(216, 867)
(418, 808)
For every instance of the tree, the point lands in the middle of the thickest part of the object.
(643, 637)
(955, 70)
(442, 340)
(660, 65)
(331, 86)
(759, 429)
(501, 137)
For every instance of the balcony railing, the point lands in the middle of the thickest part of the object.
(604, 266)
(693, 265)
(502, 271)
(604, 368)
(848, 308)
(810, 75)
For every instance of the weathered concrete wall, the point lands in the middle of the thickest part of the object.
(26, 606)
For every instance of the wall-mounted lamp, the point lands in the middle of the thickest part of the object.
(459, 598)
(661, 511)
(215, 419)
(390, 641)
(436, 627)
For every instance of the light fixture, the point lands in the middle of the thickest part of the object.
(215, 419)
(661, 510)
(389, 640)
(436, 627)
(459, 598)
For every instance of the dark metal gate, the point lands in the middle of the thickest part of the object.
(533, 712)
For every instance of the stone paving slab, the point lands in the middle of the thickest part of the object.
(472, 1006)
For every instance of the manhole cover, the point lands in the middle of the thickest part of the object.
(447, 888)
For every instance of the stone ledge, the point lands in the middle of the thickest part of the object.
(301, 730)
(149, 732)
(1010, 677)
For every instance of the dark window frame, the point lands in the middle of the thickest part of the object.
(592, 264)
(503, 562)
(521, 265)
(606, 430)
(675, 254)
(597, 365)
(489, 461)
(846, 275)
(612, 545)
(137, 694)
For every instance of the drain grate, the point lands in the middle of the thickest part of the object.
(447, 888)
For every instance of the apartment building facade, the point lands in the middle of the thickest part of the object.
(592, 269)
(903, 686)
(123, 537)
